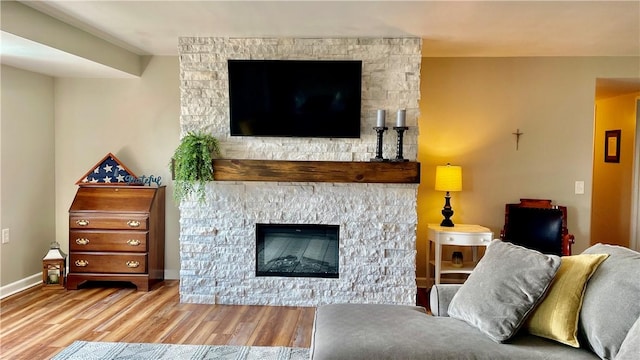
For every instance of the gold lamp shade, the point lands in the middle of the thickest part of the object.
(448, 178)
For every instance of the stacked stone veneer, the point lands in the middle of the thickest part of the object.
(377, 221)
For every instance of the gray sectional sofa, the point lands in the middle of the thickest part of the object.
(607, 319)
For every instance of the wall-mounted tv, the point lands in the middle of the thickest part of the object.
(295, 98)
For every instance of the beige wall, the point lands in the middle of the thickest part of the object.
(469, 109)
(27, 167)
(135, 119)
(612, 182)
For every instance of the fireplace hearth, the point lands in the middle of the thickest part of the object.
(297, 250)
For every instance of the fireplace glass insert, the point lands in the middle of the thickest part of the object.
(297, 250)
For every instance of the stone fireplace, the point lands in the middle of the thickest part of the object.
(377, 222)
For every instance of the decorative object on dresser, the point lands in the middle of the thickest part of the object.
(448, 178)
(192, 165)
(109, 170)
(54, 267)
(116, 233)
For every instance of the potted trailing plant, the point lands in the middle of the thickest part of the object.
(193, 165)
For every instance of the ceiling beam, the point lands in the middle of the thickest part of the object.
(25, 22)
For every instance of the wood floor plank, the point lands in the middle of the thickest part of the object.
(196, 314)
(176, 332)
(204, 333)
(231, 321)
(242, 333)
(305, 322)
(37, 324)
(272, 328)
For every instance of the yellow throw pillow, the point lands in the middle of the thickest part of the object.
(556, 317)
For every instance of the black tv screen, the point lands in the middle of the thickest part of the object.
(298, 98)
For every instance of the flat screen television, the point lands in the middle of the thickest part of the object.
(295, 98)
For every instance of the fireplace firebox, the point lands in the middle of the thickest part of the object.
(297, 250)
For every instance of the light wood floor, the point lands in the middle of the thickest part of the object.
(37, 324)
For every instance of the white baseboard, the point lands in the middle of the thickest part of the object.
(20, 285)
(36, 279)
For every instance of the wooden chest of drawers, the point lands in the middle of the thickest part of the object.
(116, 233)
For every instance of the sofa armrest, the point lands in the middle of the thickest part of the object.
(440, 296)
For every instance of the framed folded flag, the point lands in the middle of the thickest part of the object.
(108, 171)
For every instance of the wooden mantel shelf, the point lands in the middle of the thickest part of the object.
(316, 171)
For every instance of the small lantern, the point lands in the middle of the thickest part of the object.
(53, 268)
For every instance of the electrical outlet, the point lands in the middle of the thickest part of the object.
(5, 236)
(579, 187)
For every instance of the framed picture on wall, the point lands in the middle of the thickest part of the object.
(612, 146)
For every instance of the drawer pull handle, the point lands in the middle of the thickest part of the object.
(133, 242)
(81, 263)
(133, 223)
(82, 222)
(133, 264)
(82, 241)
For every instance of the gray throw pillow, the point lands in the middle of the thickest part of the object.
(610, 304)
(630, 348)
(505, 286)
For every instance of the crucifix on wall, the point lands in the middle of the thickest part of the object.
(517, 134)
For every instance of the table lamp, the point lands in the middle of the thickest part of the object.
(448, 178)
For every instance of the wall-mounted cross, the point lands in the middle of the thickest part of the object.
(517, 134)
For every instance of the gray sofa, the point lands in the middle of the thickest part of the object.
(608, 328)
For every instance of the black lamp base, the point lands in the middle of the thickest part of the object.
(446, 223)
(447, 212)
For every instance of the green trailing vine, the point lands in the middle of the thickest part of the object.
(193, 165)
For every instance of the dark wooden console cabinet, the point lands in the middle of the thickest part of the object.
(116, 233)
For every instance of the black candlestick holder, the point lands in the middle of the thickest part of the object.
(400, 130)
(379, 132)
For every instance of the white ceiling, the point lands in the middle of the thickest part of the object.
(448, 28)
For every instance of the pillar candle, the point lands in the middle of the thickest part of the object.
(402, 114)
(381, 115)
